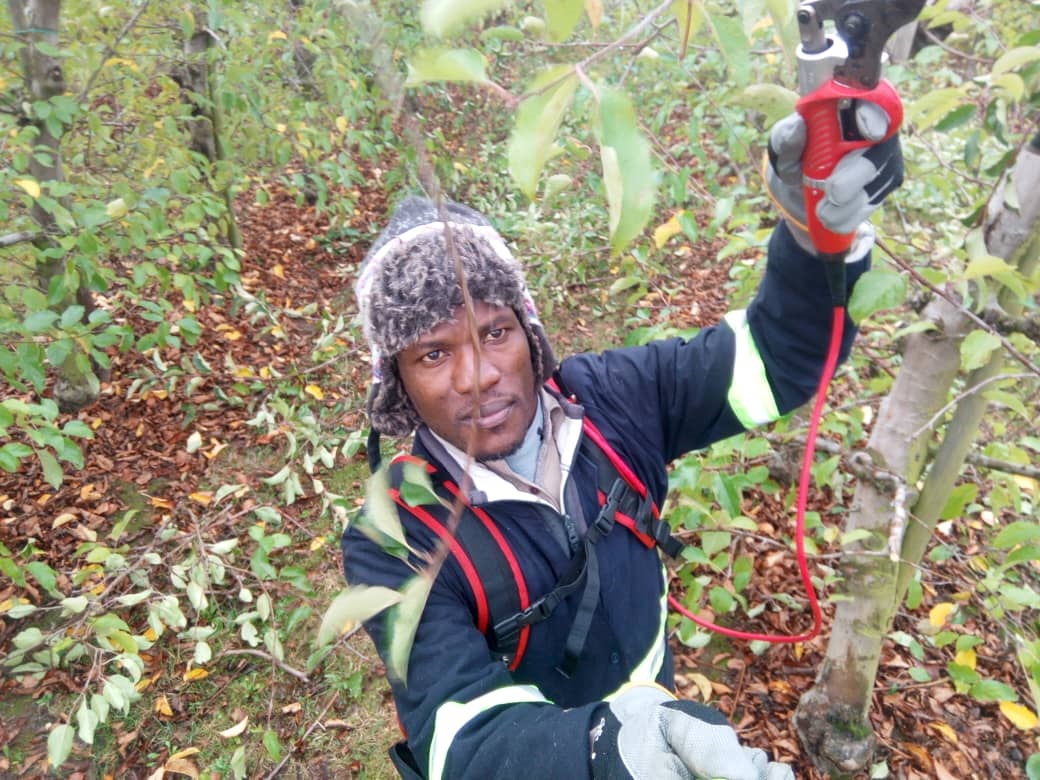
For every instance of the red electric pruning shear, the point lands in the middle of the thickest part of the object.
(845, 103)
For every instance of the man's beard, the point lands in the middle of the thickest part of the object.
(503, 454)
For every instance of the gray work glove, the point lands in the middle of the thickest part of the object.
(646, 734)
(859, 183)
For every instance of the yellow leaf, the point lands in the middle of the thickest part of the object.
(121, 61)
(278, 333)
(150, 634)
(31, 186)
(315, 391)
(1023, 717)
(966, 658)
(214, 451)
(232, 335)
(666, 231)
(317, 543)
(202, 497)
(160, 503)
(940, 613)
(181, 766)
(703, 685)
(235, 730)
(278, 270)
(162, 707)
(116, 209)
(195, 674)
(190, 305)
(945, 729)
(341, 124)
(191, 751)
(62, 519)
(277, 35)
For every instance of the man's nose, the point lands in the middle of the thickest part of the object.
(469, 363)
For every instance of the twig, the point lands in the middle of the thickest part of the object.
(307, 733)
(110, 50)
(301, 676)
(903, 264)
(966, 394)
(19, 238)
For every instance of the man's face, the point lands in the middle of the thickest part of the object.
(488, 414)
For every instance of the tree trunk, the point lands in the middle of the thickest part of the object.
(36, 22)
(832, 718)
(205, 125)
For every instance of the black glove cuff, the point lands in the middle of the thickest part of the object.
(698, 711)
(604, 760)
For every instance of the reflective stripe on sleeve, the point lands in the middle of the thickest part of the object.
(453, 716)
(750, 396)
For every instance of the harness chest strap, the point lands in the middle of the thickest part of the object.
(493, 571)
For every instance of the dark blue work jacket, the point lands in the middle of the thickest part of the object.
(465, 714)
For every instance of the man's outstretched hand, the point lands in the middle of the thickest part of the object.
(647, 734)
(859, 184)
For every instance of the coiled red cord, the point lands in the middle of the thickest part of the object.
(831, 363)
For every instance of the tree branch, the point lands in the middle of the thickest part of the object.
(904, 265)
(110, 50)
(21, 237)
(1027, 325)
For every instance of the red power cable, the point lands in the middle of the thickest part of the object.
(837, 330)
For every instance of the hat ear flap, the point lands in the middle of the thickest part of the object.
(389, 409)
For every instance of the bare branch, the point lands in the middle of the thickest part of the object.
(21, 237)
(111, 49)
(906, 266)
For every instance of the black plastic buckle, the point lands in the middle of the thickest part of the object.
(607, 516)
(507, 631)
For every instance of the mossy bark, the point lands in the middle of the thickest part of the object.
(36, 22)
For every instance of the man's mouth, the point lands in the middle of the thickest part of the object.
(490, 415)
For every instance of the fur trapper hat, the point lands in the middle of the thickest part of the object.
(407, 285)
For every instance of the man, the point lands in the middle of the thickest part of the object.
(591, 695)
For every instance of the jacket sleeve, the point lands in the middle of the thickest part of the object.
(462, 713)
(751, 368)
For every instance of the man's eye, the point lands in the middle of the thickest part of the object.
(432, 356)
(495, 334)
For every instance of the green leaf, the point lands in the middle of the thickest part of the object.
(772, 100)
(876, 290)
(380, 513)
(356, 604)
(537, 122)
(977, 348)
(918, 674)
(562, 16)
(273, 746)
(86, 721)
(1017, 533)
(715, 541)
(405, 622)
(736, 49)
(1033, 767)
(627, 170)
(443, 17)
(39, 321)
(992, 690)
(1015, 58)
(721, 600)
(959, 498)
(51, 470)
(439, 64)
(933, 106)
(59, 744)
